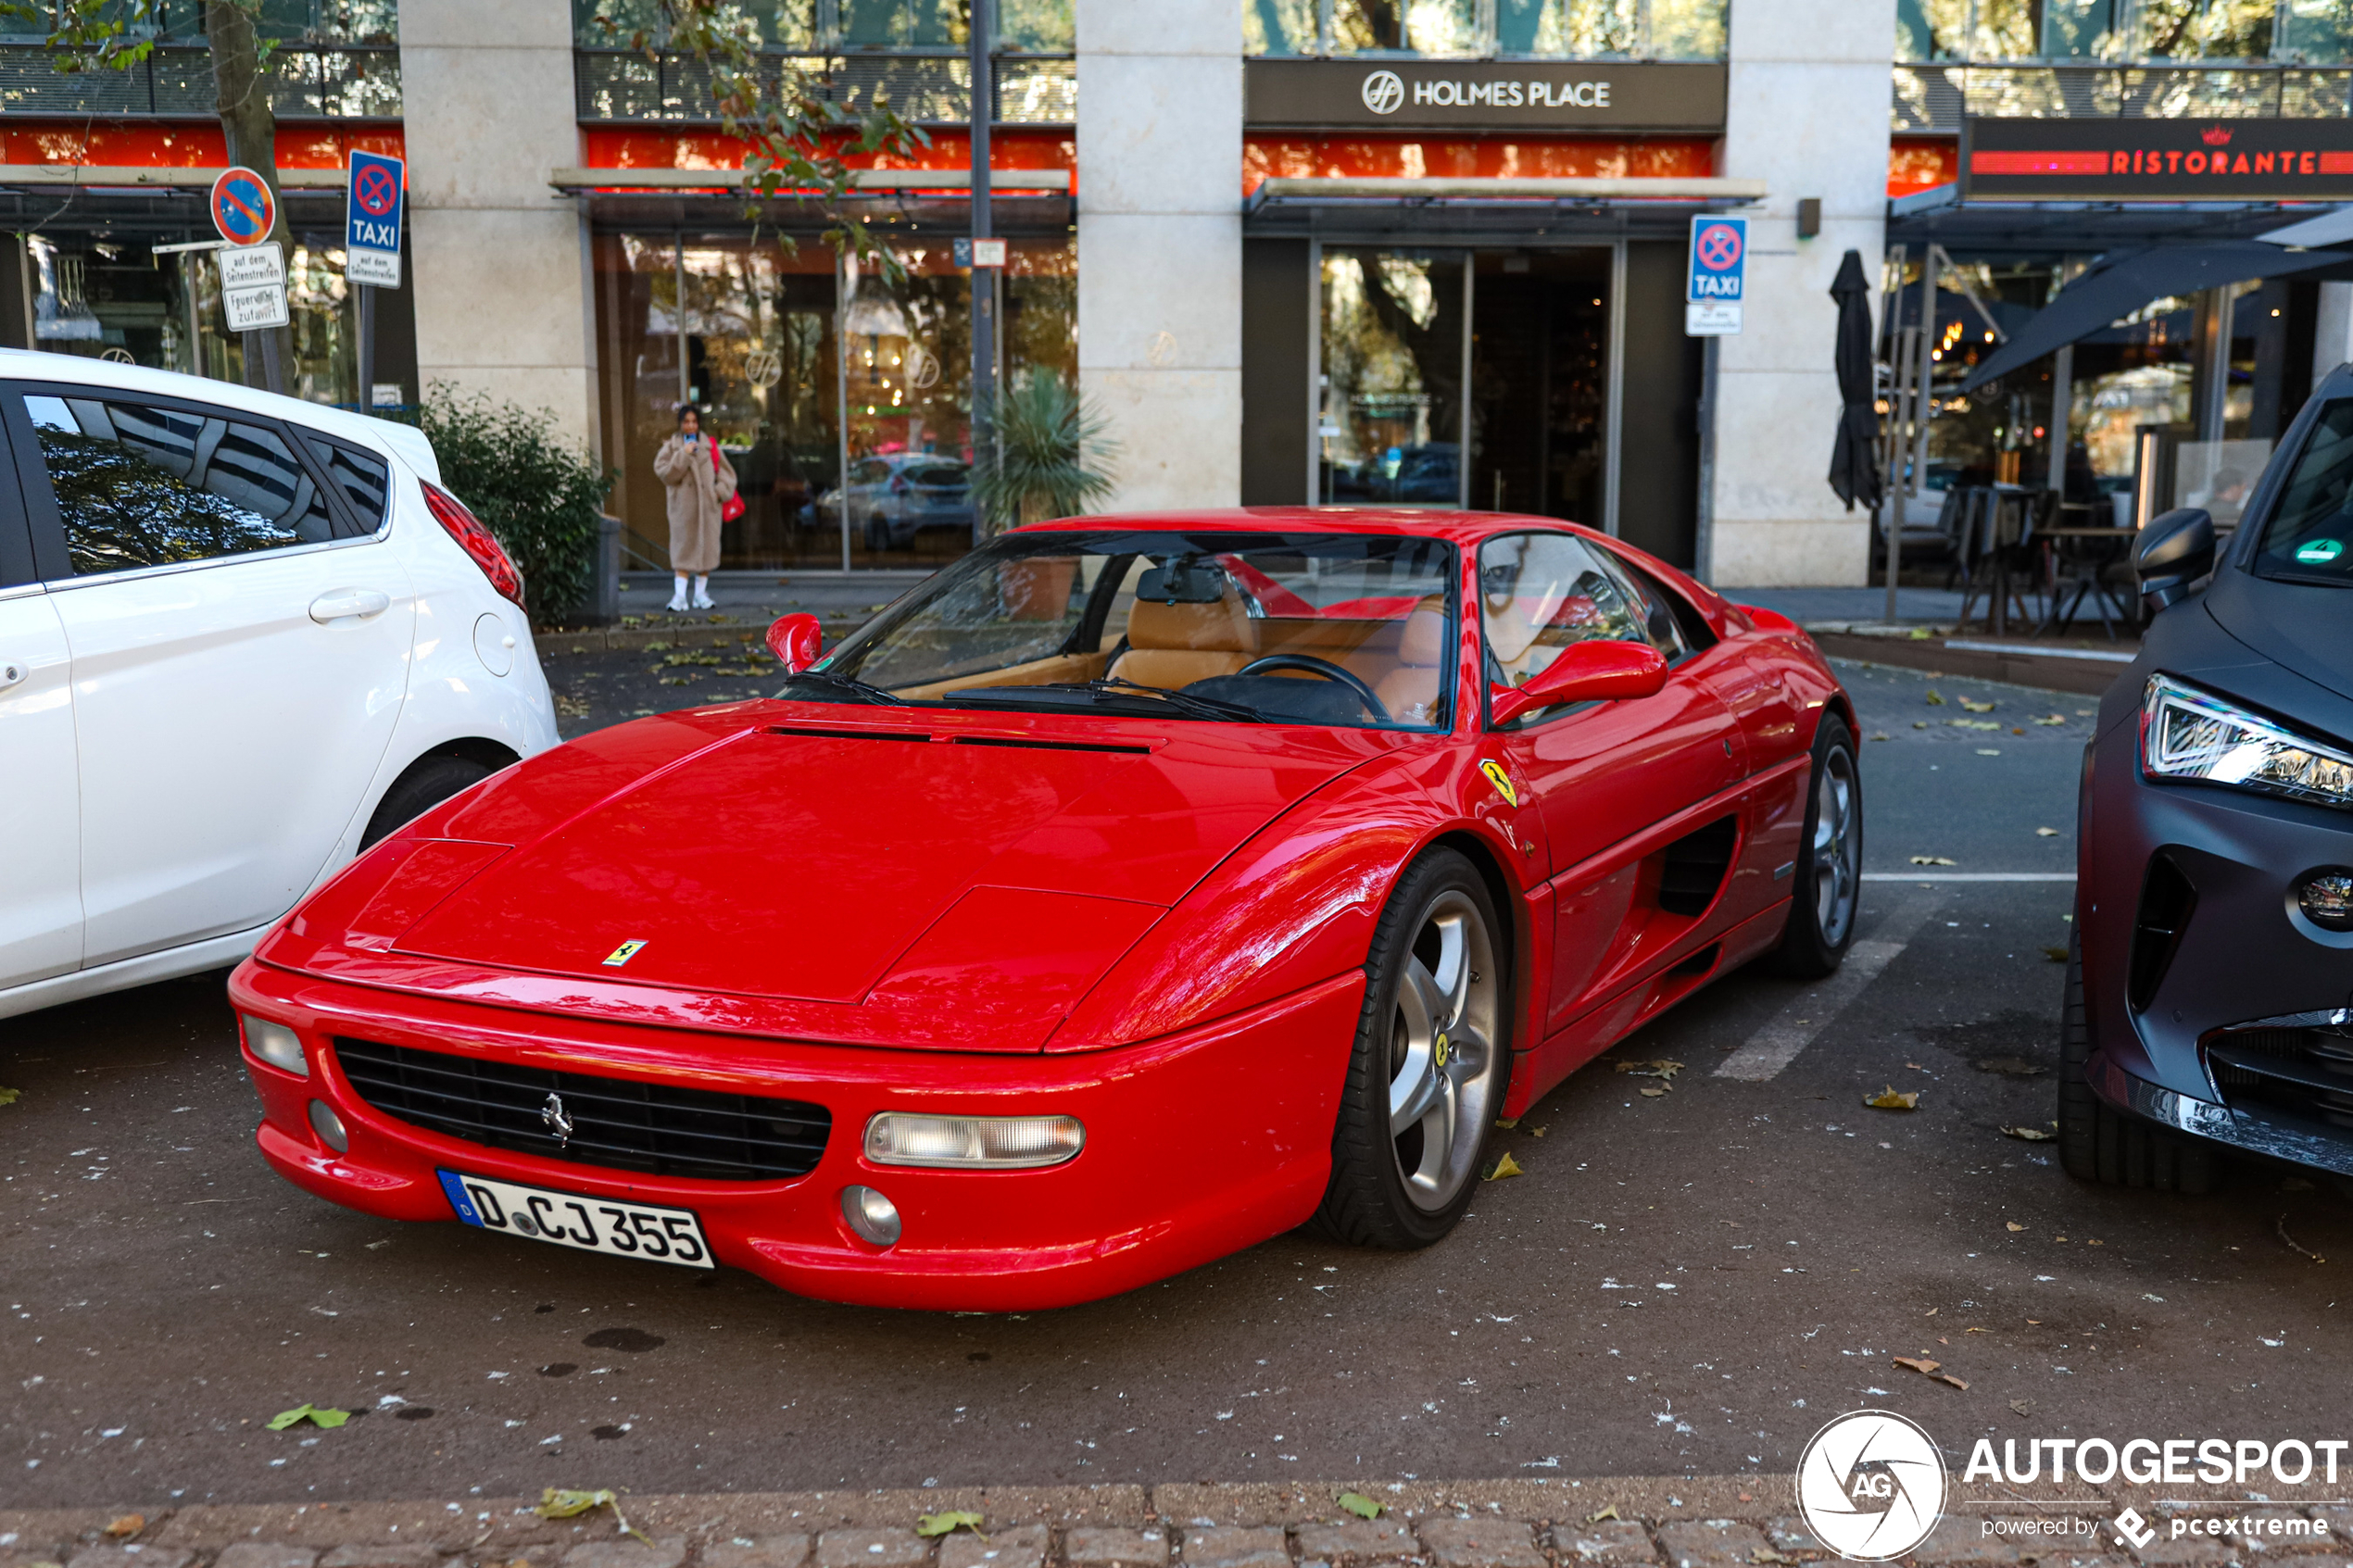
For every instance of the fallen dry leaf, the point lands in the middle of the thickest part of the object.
(1935, 697)
(1650, 1068)
(1505, 1166)
(1948, 1377)
(1507, 1122)
(2055, 952)
(2054, 718)
(1971, 724)
(1610, 1513)
(128, 1524)
(1889, 1098)
(2029, 1134)
(2023, 1407)
(559, 1502)
(1360, 1505)
(1977, 707)
(2016, 1226)
(949, 1523)
(1766, 1553)
(1934, 860)
(1652, 1094)
(1988, 751)
(2046, 832)
(1918, 1363)
(1919, 724)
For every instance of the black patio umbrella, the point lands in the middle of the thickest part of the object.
(1854, 467)
(2122, 282)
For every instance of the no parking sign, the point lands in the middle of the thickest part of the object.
(372, 219)
(1717, 280)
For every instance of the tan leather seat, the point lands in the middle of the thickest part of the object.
(1174, 645)
(1410, 690)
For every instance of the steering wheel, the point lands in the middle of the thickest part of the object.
(1308, 664)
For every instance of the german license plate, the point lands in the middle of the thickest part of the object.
(585, 1225)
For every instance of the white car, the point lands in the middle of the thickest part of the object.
(241, 637)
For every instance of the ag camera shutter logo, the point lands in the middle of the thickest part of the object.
(1871, 1485)
(1383, 91)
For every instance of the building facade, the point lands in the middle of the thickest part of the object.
(1393, 251)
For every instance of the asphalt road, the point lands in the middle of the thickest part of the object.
(1688, 1282)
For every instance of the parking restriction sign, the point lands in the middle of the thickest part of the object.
(1719, 260)
(372, 219)
(242, 207)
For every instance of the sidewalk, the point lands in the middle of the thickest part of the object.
(1724, 1522)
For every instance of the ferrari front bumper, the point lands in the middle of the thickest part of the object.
(1197, 1145)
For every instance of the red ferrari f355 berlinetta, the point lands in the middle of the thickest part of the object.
(1132, 891)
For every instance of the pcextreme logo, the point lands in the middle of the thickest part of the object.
(1871, 1485)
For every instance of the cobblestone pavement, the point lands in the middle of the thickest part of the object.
(1730, 1522)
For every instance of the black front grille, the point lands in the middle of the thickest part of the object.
(622, 1124)
(2305, 1072)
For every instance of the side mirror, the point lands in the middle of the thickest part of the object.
(2176, 549)
(795, 640)
(1594, 672)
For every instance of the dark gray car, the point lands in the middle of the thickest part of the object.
(2210, 1000)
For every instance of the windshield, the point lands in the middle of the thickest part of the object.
(2309, 537)
(1330, 629)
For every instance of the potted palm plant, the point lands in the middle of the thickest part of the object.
(1047, 456)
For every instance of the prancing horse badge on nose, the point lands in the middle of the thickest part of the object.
(1495, 775)
(622, 954)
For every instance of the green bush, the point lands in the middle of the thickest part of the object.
(540, 497)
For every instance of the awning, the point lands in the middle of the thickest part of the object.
(142, 177)
(2119, 283)
(1581, 191)
(1486, 210)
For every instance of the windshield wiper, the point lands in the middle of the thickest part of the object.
(855, 687)
(1200, 706)
(1218, 706)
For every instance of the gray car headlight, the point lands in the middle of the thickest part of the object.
(2196, 738)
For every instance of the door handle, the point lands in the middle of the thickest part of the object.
(348, 603)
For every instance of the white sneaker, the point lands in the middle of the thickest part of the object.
(702, 601)
(678, 605)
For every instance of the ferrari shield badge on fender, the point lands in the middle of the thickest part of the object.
(622, 954)
(1495, 775)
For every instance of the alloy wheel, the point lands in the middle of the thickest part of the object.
(1837, 877)
(1444, 1080)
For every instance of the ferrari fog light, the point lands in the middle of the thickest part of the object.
(329, 1126)
(275, 1043)
(972, 1143)
(2193, 735)
(873, 1216)
(2326, 898)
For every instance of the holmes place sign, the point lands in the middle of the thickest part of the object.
(2156, 160)
(1484, 95)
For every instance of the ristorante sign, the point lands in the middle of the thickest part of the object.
(1459, 95)
(2156, 160)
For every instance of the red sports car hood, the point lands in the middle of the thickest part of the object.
(979, 868)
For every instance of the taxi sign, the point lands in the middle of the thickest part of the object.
(242, 206)
(1719, 259)
(372, 199)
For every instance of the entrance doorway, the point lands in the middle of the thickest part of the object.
(1540, 383)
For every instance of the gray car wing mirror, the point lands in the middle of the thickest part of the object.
(2175, 550)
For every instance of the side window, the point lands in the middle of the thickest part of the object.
(141, 484)
(364, 479)
(1539, 593)
(1676, 629)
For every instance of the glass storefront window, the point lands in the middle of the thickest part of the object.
(1666, 30)
(2111, 31)
(799, 369)
(1391, 429)
(107, 300)
(2314, 29)
(1932, 30)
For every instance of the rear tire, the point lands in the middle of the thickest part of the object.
(428, 783)
(2099, 1143)
(1828, 882)
(1431, 1062)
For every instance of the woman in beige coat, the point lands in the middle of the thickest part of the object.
(700, 481)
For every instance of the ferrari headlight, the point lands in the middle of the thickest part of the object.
(2193, 736)
(972, 1143)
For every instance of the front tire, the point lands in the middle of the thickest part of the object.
(2099, 1143)
(1431, 1064)
(1830, 861)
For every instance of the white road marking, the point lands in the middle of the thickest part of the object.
(1968, 876)
(1808, 1013)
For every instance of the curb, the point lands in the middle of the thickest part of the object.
(1636, 1521)
(2079, 677)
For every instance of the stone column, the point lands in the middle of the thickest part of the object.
(498, 262)
(1808, 115)
(1159, 244)
(2332, 335)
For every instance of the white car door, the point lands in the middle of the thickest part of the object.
(40, 811)
(240, 654)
